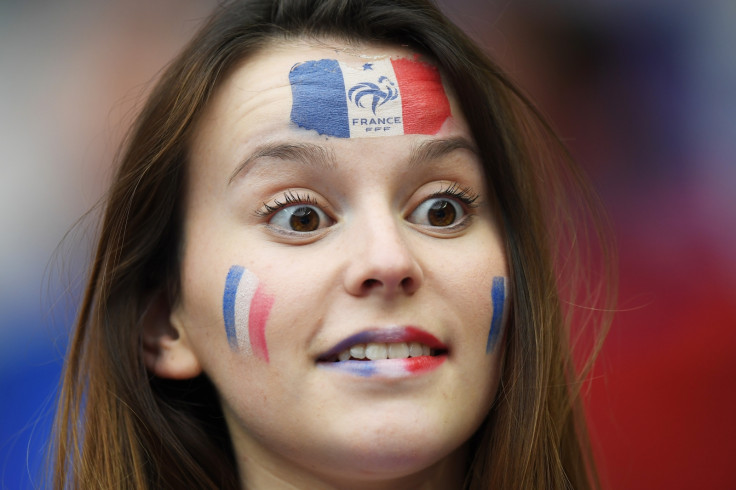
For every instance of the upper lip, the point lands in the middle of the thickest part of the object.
(386, 336)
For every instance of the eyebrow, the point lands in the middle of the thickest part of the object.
(433, 149)
(306, 153)
(319, 156)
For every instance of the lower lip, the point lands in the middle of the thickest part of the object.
(387, 368)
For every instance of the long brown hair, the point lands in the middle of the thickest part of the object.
(117, 426)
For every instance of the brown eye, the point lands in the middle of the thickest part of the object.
(300, 218)
(304, 219)
(437, 212)
(441, 213)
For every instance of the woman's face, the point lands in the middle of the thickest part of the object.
(342, 283)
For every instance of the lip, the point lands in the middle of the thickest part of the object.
(387, 368)
(386, 336)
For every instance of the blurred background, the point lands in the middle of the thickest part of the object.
(642, 91)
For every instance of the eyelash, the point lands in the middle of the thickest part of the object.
(463, 194)
(290, 198)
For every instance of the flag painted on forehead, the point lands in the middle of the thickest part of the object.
(379, 98)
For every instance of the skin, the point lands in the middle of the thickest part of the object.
(371, 264)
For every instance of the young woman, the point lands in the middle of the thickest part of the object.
(327, 261)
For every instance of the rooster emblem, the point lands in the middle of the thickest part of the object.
(377, 94)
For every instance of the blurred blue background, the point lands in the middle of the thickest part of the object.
(72, 74)
(643, 92)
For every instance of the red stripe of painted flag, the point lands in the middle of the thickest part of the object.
(423, 101)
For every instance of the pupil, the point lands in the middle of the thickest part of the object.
(442, 213)
(304, 219)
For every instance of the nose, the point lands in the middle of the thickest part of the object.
(381, 261)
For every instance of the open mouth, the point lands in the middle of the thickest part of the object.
(394, 352)
(376, 351)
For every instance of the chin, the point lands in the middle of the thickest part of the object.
(384, 464)
(392, 453)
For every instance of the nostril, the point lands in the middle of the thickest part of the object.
(370, 283)
(406, 284)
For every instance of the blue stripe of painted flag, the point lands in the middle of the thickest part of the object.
(318, 97)
(498, 294)
(359, 368)
(228, 302)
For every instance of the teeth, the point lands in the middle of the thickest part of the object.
(357, 351)
(398, 351)
(415, 349)
(376, 351)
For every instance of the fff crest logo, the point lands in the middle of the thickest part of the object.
(373, 95)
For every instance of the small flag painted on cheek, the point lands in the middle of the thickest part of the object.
(245, 308)
(379, 98)
(498, 298)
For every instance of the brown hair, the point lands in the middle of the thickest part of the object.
(117, 426)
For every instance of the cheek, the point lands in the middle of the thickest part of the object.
(500, 303)
(246, 308)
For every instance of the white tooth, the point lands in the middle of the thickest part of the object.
(415, 349)
(375, 352)
(398, 351)
(344, 355)
(425, 350)
(358, 351)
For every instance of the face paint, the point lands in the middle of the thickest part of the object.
(245, 308)
(382, 98)
(387, 368)
(426, 351)
(498, 298)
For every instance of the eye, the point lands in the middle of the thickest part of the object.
(439, 212)
(301, 218)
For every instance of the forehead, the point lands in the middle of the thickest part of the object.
(319, 90)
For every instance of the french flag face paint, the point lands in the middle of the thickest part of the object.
(417, 352)
(498, 320)
(387, 368)
(245, 308)
(381, 98)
